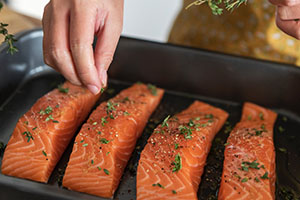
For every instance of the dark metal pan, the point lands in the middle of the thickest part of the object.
(187, 74)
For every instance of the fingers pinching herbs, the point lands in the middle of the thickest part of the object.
(56, 40)
(69, 28)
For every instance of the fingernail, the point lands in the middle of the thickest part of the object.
(103, 78)
(94, 89)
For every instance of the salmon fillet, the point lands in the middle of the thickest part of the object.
(173, 159)
(105, 142)
(249, 165)
(42, 133)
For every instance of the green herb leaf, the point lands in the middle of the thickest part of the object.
(45, 154)
(102, 90)
(165, 122)
(177, 163)
(28, 135)
(244, 180)
(104, 121)
(106, 171)
(282, 150)
(48, 118)
(104, 141)
(152, 89)
(99, 168)
(159, 185)
(176, 146)
(261, 116)
(174, 192)
(85, 144)
(256, 179)
(265, 176)
(92, 162)
(62, 89)
(186, 131)
(281, 129)
(126, 113)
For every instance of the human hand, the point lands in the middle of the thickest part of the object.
(287, 16)
(69, 28)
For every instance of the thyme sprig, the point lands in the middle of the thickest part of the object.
(217, 6)
(8, 38)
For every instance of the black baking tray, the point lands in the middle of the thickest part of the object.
(187, 74)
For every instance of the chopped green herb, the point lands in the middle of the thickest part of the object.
(249, 117)
(57, 106)
(104, 141)
(28, 135)
(99, 132)
(152, 89)
(159, 185)
(110, 107)
(92, 162)
(45, 154)
(26, 122)
(55, 121)
(85, 144)
(106, 171)
(284, 119)
(177, 163)
(256, 179)
(99, 168)
(107, 153)
(81, 141)
(94, 123)
(281, 129)
(282, 150)
(246, 165)
(104, 121)
(174, 192)
(227, 143)
(165, 122)
(62, 89)
(191, 123)
(244, 180)
(261, 116)
(47, 110)
(34, 128)
(209, 116)
(262, 166)
(186, 131)
(48, 118)
(102, 90)
(125, 99)
(176, 146)
(265, 176)
(126, 113)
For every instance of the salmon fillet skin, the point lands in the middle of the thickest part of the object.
(249, 164)
(43, 132)
(173, 160)
(106, 141)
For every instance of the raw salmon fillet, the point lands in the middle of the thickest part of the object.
(173, 160)
(105, 142)
(249, 165)
(42, 133)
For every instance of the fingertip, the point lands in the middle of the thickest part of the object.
(93, 88)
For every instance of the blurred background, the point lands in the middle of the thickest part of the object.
(144, 19)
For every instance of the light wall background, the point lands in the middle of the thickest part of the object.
(143, 19)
